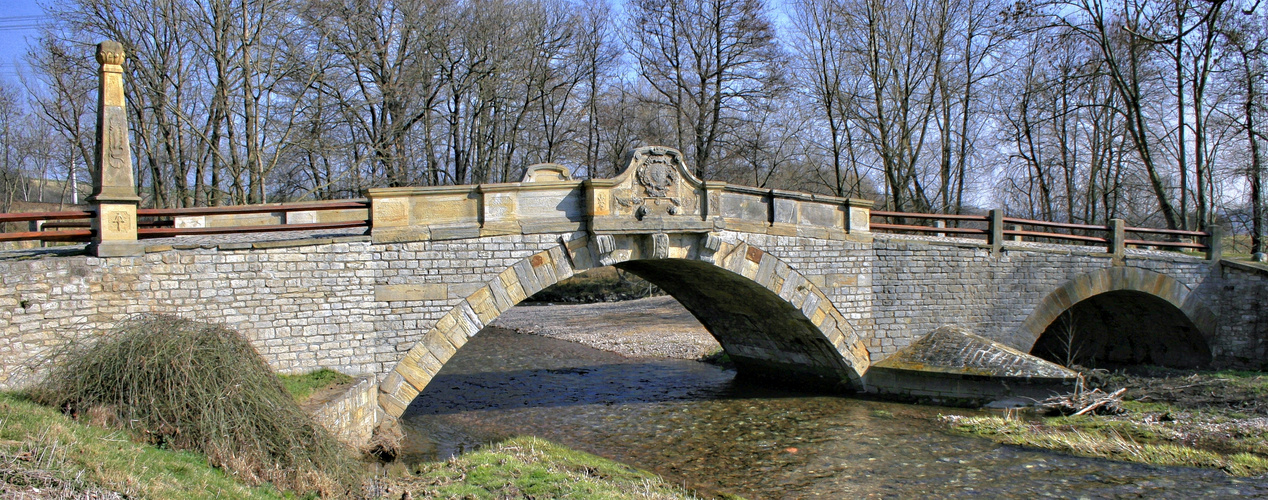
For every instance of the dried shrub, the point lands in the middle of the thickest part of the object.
(194, 386)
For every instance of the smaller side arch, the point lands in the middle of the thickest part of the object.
(424, 360)
(1114, 279)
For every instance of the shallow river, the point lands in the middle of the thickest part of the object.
(694, 424)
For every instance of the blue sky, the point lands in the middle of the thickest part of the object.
(18, 19)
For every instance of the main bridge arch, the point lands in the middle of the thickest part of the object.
(769, 318)
(1130, 310)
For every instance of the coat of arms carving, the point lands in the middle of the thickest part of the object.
(659, 186)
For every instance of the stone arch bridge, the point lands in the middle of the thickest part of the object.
(792, 285)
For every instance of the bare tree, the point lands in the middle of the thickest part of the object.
(704, 58)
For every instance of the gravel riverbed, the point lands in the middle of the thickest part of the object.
(651, 327)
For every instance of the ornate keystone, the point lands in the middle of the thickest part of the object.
(660, 246)
(605, 244)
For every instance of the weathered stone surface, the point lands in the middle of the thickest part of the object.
(400, 293)
(352, 415)
(952, 364)
(547, 172)
(954, 350)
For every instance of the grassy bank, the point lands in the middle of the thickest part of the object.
(528, 467)
(304, 386)
(47, 454)
(43, 449)
(163, 407)
(1205, 419)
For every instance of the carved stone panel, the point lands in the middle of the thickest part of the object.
(118, 222)
(656, 184)
(660, 246)
(606, 245)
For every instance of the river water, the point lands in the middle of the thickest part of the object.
(696, 425)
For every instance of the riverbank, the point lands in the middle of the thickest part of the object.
(529, 467)
(655, 327)
(47, 454)
(90, 431)
(1169, 417)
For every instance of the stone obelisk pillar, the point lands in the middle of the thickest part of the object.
(114, 187)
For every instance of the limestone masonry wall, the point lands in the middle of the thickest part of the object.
(1244, 311)
(358, 307)
(922, 284)
(353, 415)
(351, 306)
(841, 268)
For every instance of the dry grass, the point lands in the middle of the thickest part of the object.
(193, 386)
(45, 454)
(305, 386)
(1104, 442)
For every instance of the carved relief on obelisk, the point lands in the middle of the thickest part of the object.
(113, 174)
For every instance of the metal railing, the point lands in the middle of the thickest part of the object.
(69, 235)
(76, 225)
(997, 229)
(167, 232)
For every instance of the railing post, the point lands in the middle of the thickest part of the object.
(114, 188)
(996, 228)
(1214, 243)
(1117, 245)
(1016, 237)
(940, 224)
(36, 226)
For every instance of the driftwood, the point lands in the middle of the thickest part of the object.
(1083, 402)
(1113, 399)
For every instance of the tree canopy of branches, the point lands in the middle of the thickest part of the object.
(1071, 110)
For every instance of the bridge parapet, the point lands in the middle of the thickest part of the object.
(656, 193)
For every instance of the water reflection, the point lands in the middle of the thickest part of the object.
(695, 424)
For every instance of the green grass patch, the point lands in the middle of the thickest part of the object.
(303, 386)
(1112, 439)
(42, 448)
(528, 467)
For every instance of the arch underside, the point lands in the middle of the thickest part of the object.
(1122, 316)
(763, 334)
(770, 319)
